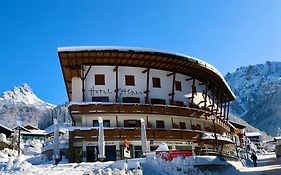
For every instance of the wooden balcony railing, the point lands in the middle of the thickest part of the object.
(133, 134)
(106, 108)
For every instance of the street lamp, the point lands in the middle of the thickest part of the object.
(213, 118)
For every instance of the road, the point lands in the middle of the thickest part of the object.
(267, 165)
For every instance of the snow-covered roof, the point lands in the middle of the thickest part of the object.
(237, 125)
(211, 136)
(63, 131)
(5, 127)
(252, 134)
(34, 132)
(31, 126)
(206, 72)
(136, 49)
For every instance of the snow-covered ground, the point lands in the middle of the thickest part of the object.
(32, 162)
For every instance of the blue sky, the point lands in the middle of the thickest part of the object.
(226, 34)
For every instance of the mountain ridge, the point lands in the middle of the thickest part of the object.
(21, 102)
(258, 95)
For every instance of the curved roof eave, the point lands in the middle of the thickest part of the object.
(145, 50)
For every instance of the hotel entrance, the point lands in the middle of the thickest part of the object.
(93, 151)
(110, 153)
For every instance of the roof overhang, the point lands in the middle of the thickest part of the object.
(73, 58)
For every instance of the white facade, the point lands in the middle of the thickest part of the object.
(138, 90)
(87, 120)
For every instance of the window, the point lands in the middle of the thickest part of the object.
(178, 85)
(100, 99)
(99, 79)
(156, 82)
(182, 125)
(131, 100)
(183, 147)
(157, 101)
(106, 123)
(196, 127)
(132, 123)
(138, 151)
(178, 103)
(129, 80)
(160, 124)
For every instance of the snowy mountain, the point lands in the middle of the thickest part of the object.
(258, 95)
(21, 101)
(25, 96)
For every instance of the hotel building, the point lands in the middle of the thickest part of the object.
(180, 98)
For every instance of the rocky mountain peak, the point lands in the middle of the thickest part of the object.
(21, 101)
(256, 88)
(23, 95)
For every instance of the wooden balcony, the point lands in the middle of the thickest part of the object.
(107, 108)
(133, 134)
(137, 108)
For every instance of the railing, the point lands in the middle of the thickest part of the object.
(133, 134)
(97, 108)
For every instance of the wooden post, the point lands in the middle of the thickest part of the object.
(116, 83)
(83, 77)
(83, 83)
(206, 95)
(173, 89)
(221, 109)
(228, 105)
(193, 91)
(218, 102)
(213, 99)
(147, 70)
(117, 125)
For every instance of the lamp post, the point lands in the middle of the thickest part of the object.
(56, 149)
(213, 117)
(19, 125)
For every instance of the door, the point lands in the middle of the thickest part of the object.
(110, 153)
(92, 153)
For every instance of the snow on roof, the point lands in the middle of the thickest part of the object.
(138, 49)
(34, 132)
(37, 132)
(119, 48)
(210, 136)
(61, 130)
(252, 134)
(22, 129)
(5, 127)
(32, 126)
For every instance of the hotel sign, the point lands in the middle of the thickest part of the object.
(119, 91)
